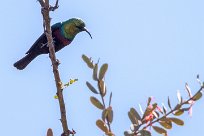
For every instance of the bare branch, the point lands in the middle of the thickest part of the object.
(55, 7)
(45, 9)
(42, 3)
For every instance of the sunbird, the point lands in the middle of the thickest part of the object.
(63, 34)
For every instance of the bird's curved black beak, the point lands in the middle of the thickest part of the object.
(84, 29)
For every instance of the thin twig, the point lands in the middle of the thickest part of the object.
(55, 7)
(45, 7)
(41, 2)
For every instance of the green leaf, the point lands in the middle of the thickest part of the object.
(197, 96)
(107, 114)
(179, 97)
(96, 103)
(154, 106)
(132, 118)
(159, 130)
(149, 101)
(141, 109)
(101, 124)
(102, 87)
(179, 112)
(166, 124)
(177, 121)
(95, 72)
(186, 109)
(110, 134)
(149, 110)
(157, 114)
(103, 70)
(134, 127)
(164, 108)
(91, 88)
(88, 61)
(145, 133)
(110, 98)
(177, 107)
(135, 113)
(169, 104)
(104, 114)
(49, 132)
(188, 90)
(110, 114)
(126, 133)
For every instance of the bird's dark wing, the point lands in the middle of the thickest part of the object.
(42, 40)
(39, 42)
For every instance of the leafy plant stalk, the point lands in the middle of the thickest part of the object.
(170, 112)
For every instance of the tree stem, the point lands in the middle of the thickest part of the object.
(46, 23)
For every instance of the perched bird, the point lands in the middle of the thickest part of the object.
(63, 34)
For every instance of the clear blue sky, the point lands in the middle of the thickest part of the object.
(152, 47)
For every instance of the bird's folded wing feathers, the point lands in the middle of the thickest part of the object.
(42, 39)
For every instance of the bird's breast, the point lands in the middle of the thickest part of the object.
(59, 38)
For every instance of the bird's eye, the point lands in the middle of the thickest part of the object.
(79, 27)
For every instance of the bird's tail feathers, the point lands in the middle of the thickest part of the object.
(22, 63)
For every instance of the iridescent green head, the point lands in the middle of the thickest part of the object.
(72, 27)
